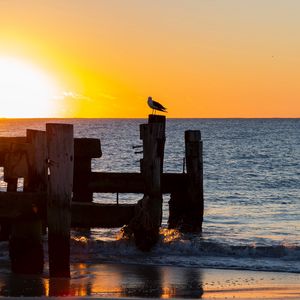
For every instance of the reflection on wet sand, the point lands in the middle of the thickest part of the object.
(145, 281)
(106, 280)
(17, 285)
(113, 280)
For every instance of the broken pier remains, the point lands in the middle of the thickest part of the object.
(59, 185)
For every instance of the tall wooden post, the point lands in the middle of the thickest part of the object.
(60, 143)
(157, 119)
(5, 228)
(194, 168)
(26, 244)
(149, 209)
(187, 203)
(12, 184)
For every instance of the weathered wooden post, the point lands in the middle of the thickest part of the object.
(149, 210)
(5, 228)
(25, 243)
(60, 143)
(160, 141)
(194, 168)
(12, 183)
(36, 182)
(187, 203)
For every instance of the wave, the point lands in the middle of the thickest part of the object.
(190, 251)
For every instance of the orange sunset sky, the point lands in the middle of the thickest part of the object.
(103, 58)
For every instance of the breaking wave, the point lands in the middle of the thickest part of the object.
(190, 251)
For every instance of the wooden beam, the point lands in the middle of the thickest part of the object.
(5, 144)
(86, 215)
(83, 147)
(87, 147)
(102, 182)
(15, 204)
(18, 160)
(13, 139)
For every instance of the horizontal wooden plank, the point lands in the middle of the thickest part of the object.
(87, 147)
(18, 160)
(13, 139)
(16, 204)
(85, 215)
(102, 182)
(83, 147)
(5, 145)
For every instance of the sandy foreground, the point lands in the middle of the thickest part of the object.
(123, 281)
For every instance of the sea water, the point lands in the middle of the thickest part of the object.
(251, 191)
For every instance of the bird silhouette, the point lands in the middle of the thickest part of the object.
(155, 105)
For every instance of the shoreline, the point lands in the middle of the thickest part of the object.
(143, 281)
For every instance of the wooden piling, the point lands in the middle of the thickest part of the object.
(149, 210)
(187, 204)
(60, 143)
(5, 144)
(157, 119)
(25, 243)
(5, 227)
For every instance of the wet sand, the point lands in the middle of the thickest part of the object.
(122, 281)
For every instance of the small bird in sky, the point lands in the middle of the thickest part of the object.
(155, 105)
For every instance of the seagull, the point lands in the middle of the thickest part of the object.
(155, 105)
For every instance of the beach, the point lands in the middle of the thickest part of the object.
(249, 246)
(123, 281)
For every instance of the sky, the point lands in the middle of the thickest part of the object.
(103, 58)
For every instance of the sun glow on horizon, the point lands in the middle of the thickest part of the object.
(25, 90)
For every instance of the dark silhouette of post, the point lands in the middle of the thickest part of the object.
(26, 245)
(5, 227)
(149, 210)
(187, 202)
(12, 183)
(194, 168)
(60, 143)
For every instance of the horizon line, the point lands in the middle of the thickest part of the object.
(95, 118)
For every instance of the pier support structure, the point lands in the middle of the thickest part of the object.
(60, 143)
(27, 161)
(45, 159)
(147, 221)
(186, 205)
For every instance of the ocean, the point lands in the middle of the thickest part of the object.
(251, 191)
